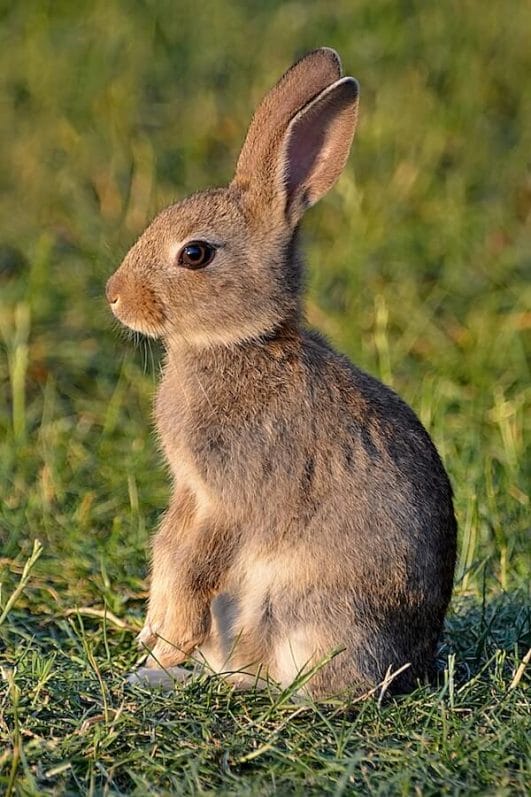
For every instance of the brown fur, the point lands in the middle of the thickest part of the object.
(310, 511)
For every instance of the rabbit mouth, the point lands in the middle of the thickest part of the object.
(149, 321)
(149, 330)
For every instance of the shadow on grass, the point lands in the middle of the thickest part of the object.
(476, 631)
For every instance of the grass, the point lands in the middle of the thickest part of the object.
(419, 269)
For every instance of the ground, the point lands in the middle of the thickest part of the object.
(418, 268)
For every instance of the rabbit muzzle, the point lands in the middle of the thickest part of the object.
(135, 304)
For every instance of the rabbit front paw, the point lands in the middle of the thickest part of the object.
(168, 654)
(170, 642)
(147, 638)
(162, 650)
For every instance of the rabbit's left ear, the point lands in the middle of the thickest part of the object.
(316, 146)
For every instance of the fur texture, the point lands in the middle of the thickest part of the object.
(310, 510)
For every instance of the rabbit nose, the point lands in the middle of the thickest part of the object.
(111, 292)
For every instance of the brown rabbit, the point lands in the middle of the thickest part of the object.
(310, 510)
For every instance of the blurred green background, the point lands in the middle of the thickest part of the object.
(419, 260)
(419, 266)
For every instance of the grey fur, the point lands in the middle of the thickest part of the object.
(311, 511)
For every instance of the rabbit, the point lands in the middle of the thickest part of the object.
(311, 535)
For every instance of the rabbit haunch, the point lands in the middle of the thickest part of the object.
(310, 510)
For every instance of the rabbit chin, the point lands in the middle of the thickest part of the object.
(205, 338)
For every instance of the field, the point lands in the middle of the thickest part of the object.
(419, 266)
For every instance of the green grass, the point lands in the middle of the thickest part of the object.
(419, 268)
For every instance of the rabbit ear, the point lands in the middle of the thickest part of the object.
(299, 138)
(316, 146)
(295, 89)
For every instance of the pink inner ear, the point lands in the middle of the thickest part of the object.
(305, 145)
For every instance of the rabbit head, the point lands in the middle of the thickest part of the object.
(221, 265)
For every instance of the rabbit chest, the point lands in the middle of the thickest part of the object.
(231, 442)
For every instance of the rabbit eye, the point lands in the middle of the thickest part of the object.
(196, 254)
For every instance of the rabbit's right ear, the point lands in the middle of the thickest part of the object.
(316, 146)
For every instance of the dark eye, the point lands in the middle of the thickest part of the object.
(196, 254)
